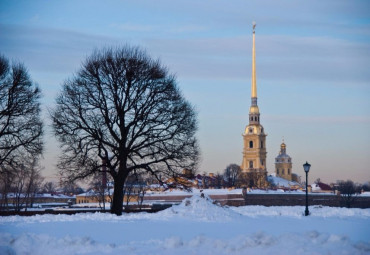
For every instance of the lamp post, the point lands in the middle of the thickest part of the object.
(306, 168)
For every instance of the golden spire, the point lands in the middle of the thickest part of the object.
(254, 85)
(254, 108)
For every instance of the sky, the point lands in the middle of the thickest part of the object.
(312, 64)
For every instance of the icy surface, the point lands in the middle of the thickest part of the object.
(196, 226)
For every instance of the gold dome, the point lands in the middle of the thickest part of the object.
(283, 146)
(254, 109)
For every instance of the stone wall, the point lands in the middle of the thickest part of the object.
(270, 200)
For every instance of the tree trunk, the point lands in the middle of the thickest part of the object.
(117, 203)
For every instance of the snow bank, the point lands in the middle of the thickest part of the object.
(258, 243)
(298, 211)
(200, 209)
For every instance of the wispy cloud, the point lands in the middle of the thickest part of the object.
(135, 27)
(318, 119)
(162, 28)
(49, 50)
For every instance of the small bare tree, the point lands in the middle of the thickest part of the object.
(254, 178)
(6, 183)
(231, 174)
(348, 191)
(49, 187)
(26, 182)
(124, 109)
(101, 192)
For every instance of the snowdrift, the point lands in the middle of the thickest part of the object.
(200, 208)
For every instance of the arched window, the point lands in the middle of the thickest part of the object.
(277, 171)
(251, 164)
(250, 144)
(261, 144)
(288, 171)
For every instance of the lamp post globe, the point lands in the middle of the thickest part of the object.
(306, 168)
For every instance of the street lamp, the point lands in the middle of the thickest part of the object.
(306, 168)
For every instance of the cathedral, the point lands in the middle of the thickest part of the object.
(254, 153)
(254, 172)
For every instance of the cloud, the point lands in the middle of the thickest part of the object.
(314, 120)
(279, 58)
(135, 27)
(49, 50)
(163, 28)
(288, 59)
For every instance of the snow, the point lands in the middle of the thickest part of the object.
(196, 226)
(204, 209)
(281, 182)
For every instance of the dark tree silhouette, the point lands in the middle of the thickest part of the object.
(231, 174)
(348, 191)
(20, 124)
(124, 108)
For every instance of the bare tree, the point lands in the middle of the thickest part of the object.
(124, 108)
(6, 182)
(25, 181)
(231, 174)
(34, 182)
(70, 188)
(218, 181)
(252, 179)
(20, 124)
(134, 188)
(49, 187)
(100, 190)
(348, 191)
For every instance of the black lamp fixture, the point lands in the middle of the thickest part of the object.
(306, 168)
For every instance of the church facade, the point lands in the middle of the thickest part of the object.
(254, 138)
(283, 164)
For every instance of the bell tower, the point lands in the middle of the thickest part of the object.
(283, 164)
(254, 137)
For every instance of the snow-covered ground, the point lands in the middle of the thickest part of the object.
(196, 226)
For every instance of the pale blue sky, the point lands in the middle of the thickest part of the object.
(313, 60)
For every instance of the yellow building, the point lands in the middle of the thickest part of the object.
(96, 197)
(283, 164)
(254, 152)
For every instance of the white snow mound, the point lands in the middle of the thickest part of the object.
(201, 208)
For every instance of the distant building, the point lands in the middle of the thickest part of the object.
(283, 164)
(254, 153)
(321, 187)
